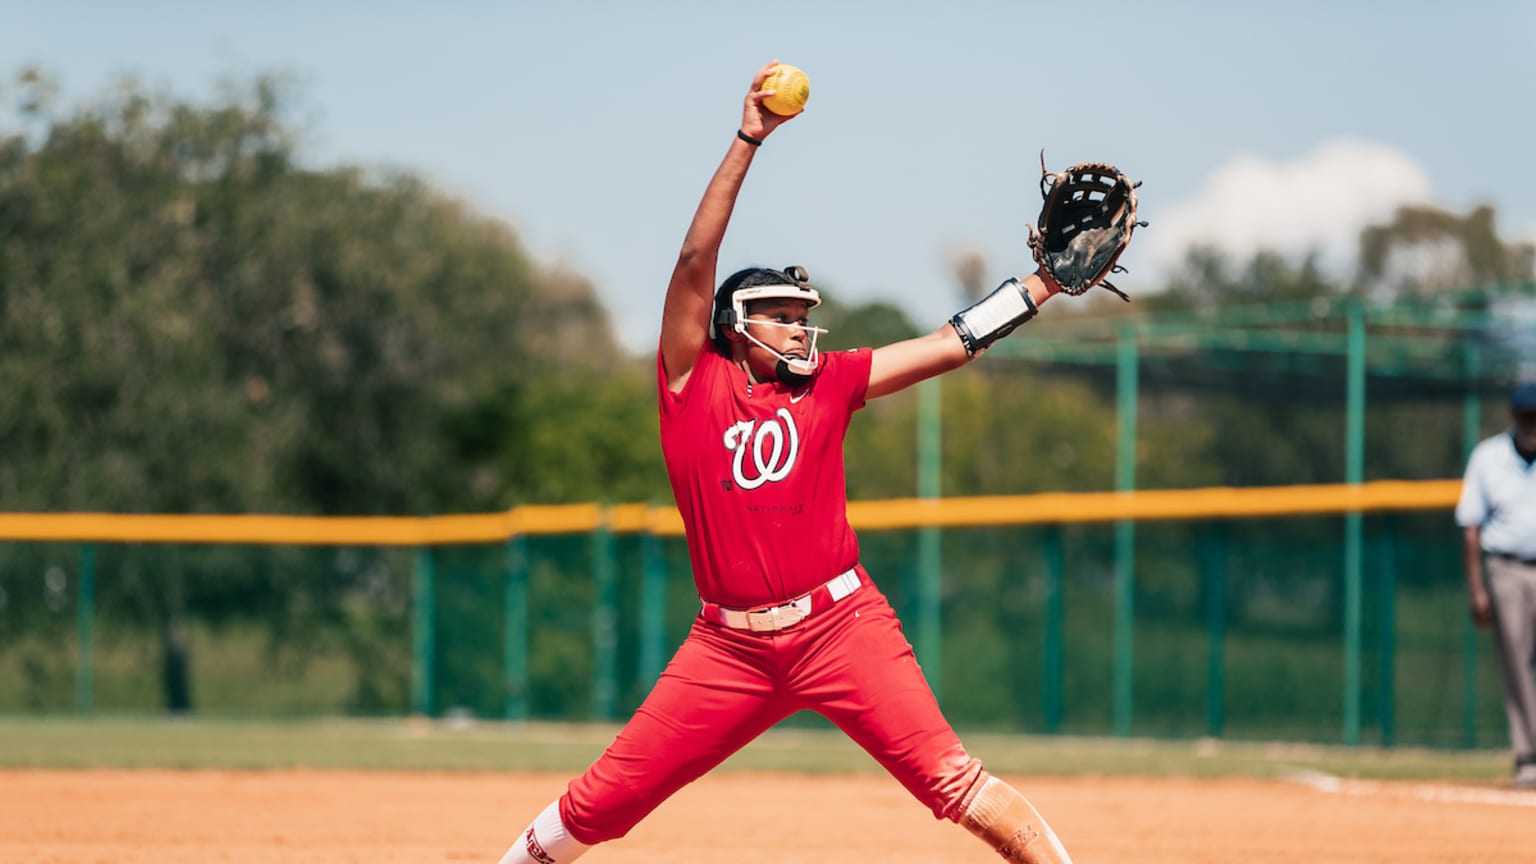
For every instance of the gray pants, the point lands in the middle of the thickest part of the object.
(1512, 587)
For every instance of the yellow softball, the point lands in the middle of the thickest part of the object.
(791, 89)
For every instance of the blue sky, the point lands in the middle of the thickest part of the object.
(592, 128)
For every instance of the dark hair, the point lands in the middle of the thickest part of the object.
(749, 277)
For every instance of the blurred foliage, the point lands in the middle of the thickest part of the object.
(192, 321)
(1207, 277)
(195, 322)
(1424, 251)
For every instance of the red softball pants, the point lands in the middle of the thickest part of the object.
(850, 663)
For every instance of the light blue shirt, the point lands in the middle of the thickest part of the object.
(1498, 493)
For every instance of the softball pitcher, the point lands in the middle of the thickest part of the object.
(752, 427)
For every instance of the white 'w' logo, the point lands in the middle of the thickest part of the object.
(769, 456)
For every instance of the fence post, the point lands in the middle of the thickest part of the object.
(423, 638)
(1386, 630)
(1051, 701)
(1125, 529)
(1354, 463)
(930, 622)
(515, 638)
(605, 640)
(1471, 433)
(1213, 567)
(85, 623)
(653, 611)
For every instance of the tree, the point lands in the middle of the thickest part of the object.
(195, 322)
(1425, 251)
(1208, 279)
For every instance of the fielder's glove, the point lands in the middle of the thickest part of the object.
(1085, 223)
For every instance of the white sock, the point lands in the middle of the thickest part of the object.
(545, 841)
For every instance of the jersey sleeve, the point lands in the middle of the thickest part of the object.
(847, 373)
(669, 402)
(1472, 506)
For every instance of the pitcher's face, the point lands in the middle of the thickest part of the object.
(776, 327)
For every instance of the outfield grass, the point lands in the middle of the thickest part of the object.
(418, 745)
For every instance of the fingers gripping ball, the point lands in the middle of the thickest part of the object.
(791, 90)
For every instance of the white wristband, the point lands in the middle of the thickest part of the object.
(994, 316)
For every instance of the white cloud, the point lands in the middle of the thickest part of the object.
(1317, 202)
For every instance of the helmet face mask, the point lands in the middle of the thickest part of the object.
(734, 319)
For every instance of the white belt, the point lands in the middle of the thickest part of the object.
(767, 619)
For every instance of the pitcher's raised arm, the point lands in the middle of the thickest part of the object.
(690, 294)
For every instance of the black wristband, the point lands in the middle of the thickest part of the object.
(755, 142)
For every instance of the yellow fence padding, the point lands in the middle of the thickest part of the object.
(895, 513)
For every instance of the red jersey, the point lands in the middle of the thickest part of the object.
(758, 477)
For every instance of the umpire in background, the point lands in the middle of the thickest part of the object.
(1497, 515)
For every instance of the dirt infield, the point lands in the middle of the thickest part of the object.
(164, 817)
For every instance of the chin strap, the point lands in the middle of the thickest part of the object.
(791, 370)
(788, 375)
